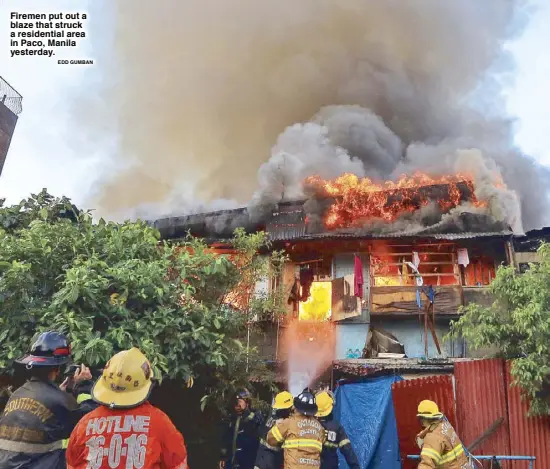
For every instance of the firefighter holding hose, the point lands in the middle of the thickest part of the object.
(440, 446)
(271, 457)
(301, 435)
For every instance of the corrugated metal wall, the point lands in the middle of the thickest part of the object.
(529, 436)
(407, 395)
(480, 401)
(483, 395)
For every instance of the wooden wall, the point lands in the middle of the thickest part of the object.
(402, 300)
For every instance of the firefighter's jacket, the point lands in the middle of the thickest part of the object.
(441, 447)
(302, 441)
(240, 440)
(269, 457)
(142, 437)
(35, 426)
(336, 439)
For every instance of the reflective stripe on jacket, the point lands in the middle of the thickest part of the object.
(302, 440)
(336, 439)
(441, 448)
(139, 438)
(241, 439)
(268, 457)
(35, 425)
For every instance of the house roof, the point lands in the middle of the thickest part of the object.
(288, 221)
(370, 366)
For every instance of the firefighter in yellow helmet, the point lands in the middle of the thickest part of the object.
(301, 435)
(439, 444)
(337, 439)
(271, 457)
(125, 430)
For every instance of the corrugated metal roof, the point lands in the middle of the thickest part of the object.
(369, 366)
(444, 236)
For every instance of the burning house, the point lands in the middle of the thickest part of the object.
(388, 266)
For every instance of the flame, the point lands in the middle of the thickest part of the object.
(358, 200)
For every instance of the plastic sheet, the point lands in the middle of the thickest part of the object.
(366, 411)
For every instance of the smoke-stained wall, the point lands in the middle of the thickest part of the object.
(7, 126)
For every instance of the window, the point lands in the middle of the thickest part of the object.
(437, 264)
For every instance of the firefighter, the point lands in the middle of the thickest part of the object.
(439, 444)
(336, 437)
(39, 416)
(126, 431)
(301, 435)
(241, 437)
(271, 457)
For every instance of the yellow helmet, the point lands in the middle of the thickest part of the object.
(126, 382)
(325, 403)
(429, 410)
(283, 400)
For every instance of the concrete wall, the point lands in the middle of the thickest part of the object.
(7, 126)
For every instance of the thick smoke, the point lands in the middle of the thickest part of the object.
(206, 86)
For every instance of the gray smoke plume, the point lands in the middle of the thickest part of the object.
(205, 87)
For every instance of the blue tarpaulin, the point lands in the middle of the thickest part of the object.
(365, 410)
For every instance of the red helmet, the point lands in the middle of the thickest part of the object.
(49, 349)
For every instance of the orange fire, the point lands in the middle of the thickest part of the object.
(357, 200)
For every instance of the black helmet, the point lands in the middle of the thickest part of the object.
(243, 394)
(305, 403)
(49, 349)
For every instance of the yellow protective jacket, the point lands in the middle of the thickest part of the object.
(302, 440)
(441, 448)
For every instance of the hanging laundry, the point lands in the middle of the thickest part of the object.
(294, 296)
(358, 277)
(463, 258)
(306, 279)
(416, 259)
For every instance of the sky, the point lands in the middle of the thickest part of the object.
(42, 155)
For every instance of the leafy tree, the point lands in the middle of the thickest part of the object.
(518, 323)
(111, 286)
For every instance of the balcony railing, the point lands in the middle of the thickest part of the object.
(10, 98)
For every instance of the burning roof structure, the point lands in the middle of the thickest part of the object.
(349, 207)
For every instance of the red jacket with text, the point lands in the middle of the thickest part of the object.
(139, 438)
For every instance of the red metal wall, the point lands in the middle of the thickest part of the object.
(407, 395)
(529, 436)
(480, 401)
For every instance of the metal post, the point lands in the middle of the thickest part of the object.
(277, 340)
(247, 342)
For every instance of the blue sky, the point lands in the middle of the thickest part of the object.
(40, 156)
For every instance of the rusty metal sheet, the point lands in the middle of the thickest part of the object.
(480, 401)
(407, 395)
(529, 436)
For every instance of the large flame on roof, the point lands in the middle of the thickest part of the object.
(357, 200)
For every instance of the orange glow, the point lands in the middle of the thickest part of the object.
(358, 200)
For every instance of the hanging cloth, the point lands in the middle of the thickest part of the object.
(358, 277)
(306, 279)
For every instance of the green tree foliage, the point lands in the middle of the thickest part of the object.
(111, 286)
(518, 323)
